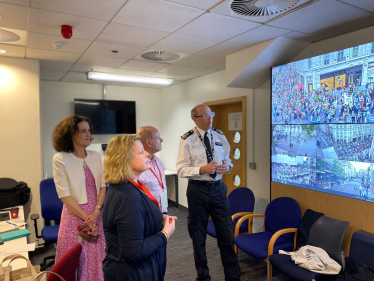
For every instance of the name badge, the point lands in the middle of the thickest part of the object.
(164, 200)
(219, 143)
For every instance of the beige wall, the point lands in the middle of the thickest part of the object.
(20, 138)
(57, 103)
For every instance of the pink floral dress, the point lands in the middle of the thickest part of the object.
(90, 263)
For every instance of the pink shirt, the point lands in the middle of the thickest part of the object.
(149, 180)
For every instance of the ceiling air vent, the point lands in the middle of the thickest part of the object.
(8, 36)
(160, 56)
(258, 8)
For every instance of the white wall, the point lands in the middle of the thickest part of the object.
(20, 138)
(57, 103)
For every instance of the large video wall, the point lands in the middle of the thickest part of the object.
(323, 123)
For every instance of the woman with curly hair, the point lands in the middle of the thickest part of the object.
(79, 180)
(136, 232)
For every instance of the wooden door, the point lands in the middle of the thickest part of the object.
(224, 110)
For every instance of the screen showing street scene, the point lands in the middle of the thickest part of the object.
(323, 123)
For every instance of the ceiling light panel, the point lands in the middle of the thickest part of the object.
(128, 79)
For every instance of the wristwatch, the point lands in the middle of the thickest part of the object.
(99, 207)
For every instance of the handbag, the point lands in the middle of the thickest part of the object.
(30, 271)
(83, 232)
(44, 278)
(13, 193)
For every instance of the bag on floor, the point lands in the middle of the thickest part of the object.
(22, 274)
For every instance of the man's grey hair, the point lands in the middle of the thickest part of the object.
(145, 133)
(194, 110)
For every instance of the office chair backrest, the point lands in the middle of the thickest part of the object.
(67, 264)
(283, 212)
(328, 233)
(362, 247)
(241, 200)
(50, 203)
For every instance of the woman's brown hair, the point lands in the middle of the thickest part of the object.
(64, 131)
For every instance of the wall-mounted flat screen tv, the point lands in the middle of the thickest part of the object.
(323, 123)
(108, 116)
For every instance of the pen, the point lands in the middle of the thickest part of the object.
(12, 223)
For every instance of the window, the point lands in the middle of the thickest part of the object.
(340, 55)
(327, 59)
(372, 48)
(355, 52)
(310, 63)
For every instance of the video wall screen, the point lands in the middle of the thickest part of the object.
(323, 123)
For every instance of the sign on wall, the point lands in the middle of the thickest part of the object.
(235, 121)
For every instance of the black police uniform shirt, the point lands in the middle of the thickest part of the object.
(192, 154)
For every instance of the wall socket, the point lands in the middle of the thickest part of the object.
(252, 165)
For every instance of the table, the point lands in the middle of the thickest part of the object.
(175, 175)
(17, 264)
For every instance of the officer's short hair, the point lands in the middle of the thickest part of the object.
(194, 110)
(145, 133)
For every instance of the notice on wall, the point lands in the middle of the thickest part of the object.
(235, 121)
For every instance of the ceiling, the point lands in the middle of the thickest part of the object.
(205, 31)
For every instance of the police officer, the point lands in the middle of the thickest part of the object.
(202, 158)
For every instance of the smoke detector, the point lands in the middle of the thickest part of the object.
(58, 45)
(257, 8)
(160, 56)
(8, 36)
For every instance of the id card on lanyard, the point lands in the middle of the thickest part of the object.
(164, 195)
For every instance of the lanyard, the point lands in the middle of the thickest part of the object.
(142, 188)
(210, 154)
(158, 179)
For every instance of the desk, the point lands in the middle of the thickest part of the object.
(175, 175)
(16, 242)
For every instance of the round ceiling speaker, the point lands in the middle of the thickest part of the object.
(160, 56)
(257, 8)
(8, 36)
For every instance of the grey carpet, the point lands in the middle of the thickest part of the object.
(180, 261)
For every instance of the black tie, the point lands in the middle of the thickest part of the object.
(208, 154)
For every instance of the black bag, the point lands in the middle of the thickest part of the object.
(355, 270)
(13, 193)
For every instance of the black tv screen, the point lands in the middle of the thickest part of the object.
(108, 116)
(323, 123)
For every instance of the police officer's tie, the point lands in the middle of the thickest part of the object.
(208, 155)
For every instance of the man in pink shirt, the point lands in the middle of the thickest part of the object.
(154, 178)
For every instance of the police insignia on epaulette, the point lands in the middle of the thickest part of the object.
(218, 131)
(186, 135)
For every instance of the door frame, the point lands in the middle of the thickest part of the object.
(243, 136)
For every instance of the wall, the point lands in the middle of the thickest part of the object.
(20, 137)
(57, 103)
(177, 102)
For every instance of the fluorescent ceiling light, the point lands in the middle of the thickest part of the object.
(128, 79)
(2, 51)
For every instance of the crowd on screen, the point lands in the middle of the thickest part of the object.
(292, 104)
(301, 174)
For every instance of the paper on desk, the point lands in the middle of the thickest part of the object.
(19, 249)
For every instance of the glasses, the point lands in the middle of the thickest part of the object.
(206, 115)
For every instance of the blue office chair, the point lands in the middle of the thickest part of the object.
(281, 213)
(51, 207)
(242, 202)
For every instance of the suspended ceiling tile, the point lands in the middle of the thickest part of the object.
(367, 5)
(130, 35)
(198, 61)
(17, 2)
(258, 35)
(304, 36)
(13, 16)
(216, 27)
(187, 70)
(105, 50)
(94, 9)
(219, 66)
(187, 77)
(51, 55)
(132, 72)
(46, 41)
(164, 75)
(315, 17)
(183, 44)
(204, 5)
(50, 23)
(221, 50)
(143, 65)
(55, 65)
(101, 61)
(156, 14)
(91, 67)
(12, 51)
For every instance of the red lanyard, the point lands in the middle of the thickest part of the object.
(159, 179)
(146, 191)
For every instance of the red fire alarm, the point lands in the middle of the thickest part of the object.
(66, 31)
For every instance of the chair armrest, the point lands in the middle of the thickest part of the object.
(276, 236)
(35, 217)
(244, 218)
(234, 216)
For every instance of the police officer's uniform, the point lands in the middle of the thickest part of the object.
(207, 195)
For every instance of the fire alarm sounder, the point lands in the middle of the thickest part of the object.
(66, 31)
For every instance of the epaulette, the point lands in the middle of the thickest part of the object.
(186, 135)
(218, 131)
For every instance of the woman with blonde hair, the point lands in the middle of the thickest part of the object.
(136, 232)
